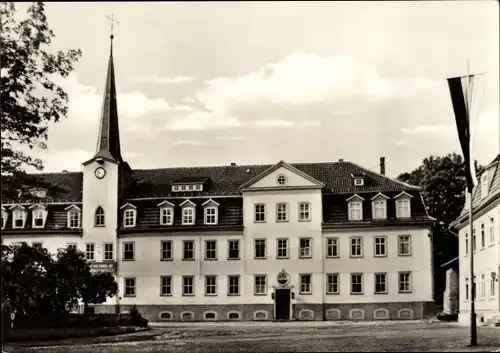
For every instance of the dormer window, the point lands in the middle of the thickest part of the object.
(359, 182)
(187, 187)
(484, 185)
(18, 216)
(5, 216)
(129, 215)
(403, 205)
(355, 208)
(39, 216)
(379, 206)
(211, 209)
(188, 212)
(166, 213)
(74, 216)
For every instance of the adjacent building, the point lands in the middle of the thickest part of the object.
(307, 241)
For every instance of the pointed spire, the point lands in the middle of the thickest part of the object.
(108, 142)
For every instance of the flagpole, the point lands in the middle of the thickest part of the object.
(473, 323)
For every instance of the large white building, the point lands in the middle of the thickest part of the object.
(485, 241)
(309, 241)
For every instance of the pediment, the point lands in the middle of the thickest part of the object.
(380, 196)
(72, 207)
(210, 202)
(188, 203)
(38, 206)
(128, 205)
(282, 175)
(355, 197)
(403, 195)
(166, 204)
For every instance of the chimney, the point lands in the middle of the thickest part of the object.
(382, 165)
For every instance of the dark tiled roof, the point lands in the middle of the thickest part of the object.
(190, 179)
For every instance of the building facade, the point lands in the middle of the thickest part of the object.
(485, 242)
(308, 241)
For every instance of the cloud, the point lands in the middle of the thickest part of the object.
(167, 80)
(202, 121)
(284, 123)
(401, 142)
(188, 143)
(428, 130)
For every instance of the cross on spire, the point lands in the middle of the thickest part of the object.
(112, 22)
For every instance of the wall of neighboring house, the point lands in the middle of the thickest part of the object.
(451, 294)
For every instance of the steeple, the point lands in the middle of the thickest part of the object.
(108, 142)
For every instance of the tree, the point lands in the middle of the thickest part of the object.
(97, 288)
(30, 96)
(443, 189)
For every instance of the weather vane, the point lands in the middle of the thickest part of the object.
(113, 21)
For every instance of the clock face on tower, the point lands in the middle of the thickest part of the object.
(100, 173)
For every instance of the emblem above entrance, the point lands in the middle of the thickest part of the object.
(283, 278)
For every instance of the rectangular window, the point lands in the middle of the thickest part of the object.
(210, 215)
(332, 283)
(188, 216)
(305, 284)
(482, 286)
(233, 249)
(37, 218)
(467, 289)
(305, 250)
(108, 252)
(356, 247)
(356, 283)
(355, 211)
(304, 212)
(404, 282)
(483, 236)
(492, 284)
(128, 251)
(474, 239)
(188, 253)
(129, 217)
(474, 288)
(282, 248)
(74, 219)
(260, 287)
(332, 247)
(90, 251)
(71, 247)
(167, 216)
(210, 250)
(166, 285)
(260, 212)
(210, 285)
(404, 246)
(492, 230)
(466, 243)
(233, 285)
(18, 216)
(403, 208)
(379, 209)
(129, 287)
(166, 250)
(187, 285)
(4, 220)
(281, 212)
(380, 246)
(380, 283)
(260, 248)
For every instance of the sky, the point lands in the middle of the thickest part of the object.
(210, 83)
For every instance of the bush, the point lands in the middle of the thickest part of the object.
(136, 318)
(70, 321)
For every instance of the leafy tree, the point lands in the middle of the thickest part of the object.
(30, 96)
(97, 287)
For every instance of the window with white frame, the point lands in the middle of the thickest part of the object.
(474, 287)
(359, 181)
(129, 287)
(260, 212)
(74, 219)
(355, 210)
(260, 284)
(210, 285)
(483, 236)
(128, 251)
(4, 218)
(492, 284)
(356, 283)
(380, 246)
(404, 245)
(332, 247)
(108, 251)
(38, 218)
(233, 249)
(305, 284)
(211, 215)
(356, 247)
(188, 216)
(467, 289)
(282, 248)
(305, 250)
(281, 179)
(404, 282)
(281, 212)
(167, 216)
(482, 286)
(71, 247)
(492, 231)
(332, 283)
(234, 285)
(187, 285)
(403, 207)
(473, 239)
(260, 248)
(380, 283)
(90, 251)
(129, 218)
(166, 250)
(210, 250)
(466, 243)
(484, 185)
(166, 285)
(188, 251)
(99, 220)
(304, 212)
(18, 217)
(379, 209)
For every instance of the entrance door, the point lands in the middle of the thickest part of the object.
(282, 304)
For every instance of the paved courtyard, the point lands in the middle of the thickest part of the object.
(282, 337)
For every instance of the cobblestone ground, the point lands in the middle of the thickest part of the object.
(276, 337)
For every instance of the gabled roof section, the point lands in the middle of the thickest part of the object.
(403, 194)
(72, 207)
(128, 205)
(38, 205)
(17, 207)
(166, 204)
(281, 164)
(380, 195)
(210, 202)
(355, 197)
(187, 203)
